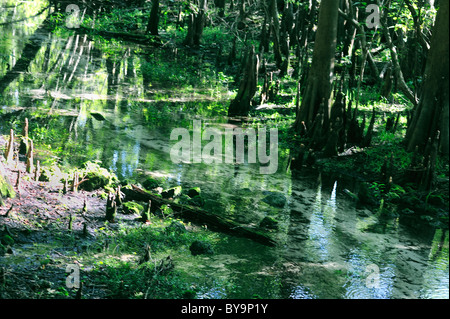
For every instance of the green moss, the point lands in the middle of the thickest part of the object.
(132, 208)
(200, 247)
(97, 177)
(172, 192)
(274, 199)
(7, 240)
(197, 201)
(6, 190)
(269, 223)
(194, 191)
(176, 227)
(151, 183)
(183, 199)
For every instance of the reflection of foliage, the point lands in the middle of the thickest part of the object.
(440, 246)
(186, 75)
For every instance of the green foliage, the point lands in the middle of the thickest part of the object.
(127, 277)
(217, 36)
(127, 281)
(7, 240)
(379, 191)
(166, 210)
(118, 20)
(390, 145)
(157, 235)
(395, 192)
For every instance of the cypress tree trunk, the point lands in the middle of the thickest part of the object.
(320, 78)
(242, 102)
(286, 28)
(274, 24)
(30, 156)
(220, 4)
(10, 148)
(432, 113)
(196, 23)
(264, 38)
(153, 22)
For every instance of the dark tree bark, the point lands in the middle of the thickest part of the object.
(196, 23)
(363, 45)
(264, 38)
(308, 23)
(432, 113)
(153, 22)
(274, 24)
(286, 28)
(220, 4)
(320, 78)
(300, 37)
(243, 101)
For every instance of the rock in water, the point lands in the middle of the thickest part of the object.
(275, 199)
(98, 116)
(269, 223)
(172, 192)
(195, 191)
(151, 183)
(199, 247)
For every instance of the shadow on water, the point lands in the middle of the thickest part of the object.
(117, 102)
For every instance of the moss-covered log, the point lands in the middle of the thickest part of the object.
(198, 215)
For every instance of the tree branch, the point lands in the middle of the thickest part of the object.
(395, 61)
(364, 45)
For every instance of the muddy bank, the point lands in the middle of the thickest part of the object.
(47, 228)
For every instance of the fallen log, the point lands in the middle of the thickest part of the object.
(200, 216)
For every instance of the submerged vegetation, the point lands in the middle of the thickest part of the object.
(98, 92)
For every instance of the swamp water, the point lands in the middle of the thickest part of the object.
(329, 247)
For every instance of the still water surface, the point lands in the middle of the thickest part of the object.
(330, 248)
